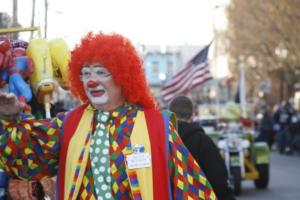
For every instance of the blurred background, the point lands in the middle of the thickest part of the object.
(252, 60)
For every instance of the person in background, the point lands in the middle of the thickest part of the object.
(282, 118)
(294, 137)
(266, 132)
(116, 145)
(201, 147)
(3, 184)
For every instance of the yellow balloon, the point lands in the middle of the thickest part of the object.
(60, 57)
(41, 80)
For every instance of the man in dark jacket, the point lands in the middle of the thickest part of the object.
(201, 147)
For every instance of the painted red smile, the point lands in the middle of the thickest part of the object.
(97, 93)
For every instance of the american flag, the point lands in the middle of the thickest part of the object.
(194, 73)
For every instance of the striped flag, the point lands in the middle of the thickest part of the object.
(195, 72)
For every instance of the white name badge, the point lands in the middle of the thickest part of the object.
(138, 160)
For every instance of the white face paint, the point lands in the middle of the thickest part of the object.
(100, 87)
(97, 95)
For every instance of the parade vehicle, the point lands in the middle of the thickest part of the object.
(245, 158)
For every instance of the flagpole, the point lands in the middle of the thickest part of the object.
(217, 98)
(242, 89)
(215, 41)
(218, 113)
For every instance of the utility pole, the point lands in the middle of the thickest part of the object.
(242, 87)
(15, 13)
(15, 17)
(46, 18)
(32, 18)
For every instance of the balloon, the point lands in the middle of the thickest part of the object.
(60, 57)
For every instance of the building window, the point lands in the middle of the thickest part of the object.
(170, 67)
(155, 68)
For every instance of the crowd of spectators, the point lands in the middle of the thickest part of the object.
(280, 128)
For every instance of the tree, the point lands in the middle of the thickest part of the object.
(267, 35)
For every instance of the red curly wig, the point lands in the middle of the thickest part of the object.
(117, 54)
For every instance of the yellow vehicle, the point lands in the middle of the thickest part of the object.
(245, 158)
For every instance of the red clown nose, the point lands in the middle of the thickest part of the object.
(92, 84)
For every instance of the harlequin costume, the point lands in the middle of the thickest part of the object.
(34, 149)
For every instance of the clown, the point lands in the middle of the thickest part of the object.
(116, 145)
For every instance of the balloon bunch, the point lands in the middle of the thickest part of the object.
(41, 62)
(32, 68)
(16, 67)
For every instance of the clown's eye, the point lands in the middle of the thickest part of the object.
(85, 73)
(101, 73)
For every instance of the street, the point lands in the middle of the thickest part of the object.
(284, 180)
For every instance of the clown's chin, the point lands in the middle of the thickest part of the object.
(98, 97)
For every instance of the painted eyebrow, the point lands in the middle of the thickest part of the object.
(97, 65)
(85, 66)
(101, 68)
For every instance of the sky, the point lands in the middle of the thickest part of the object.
(149, 22)
(144, 22)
